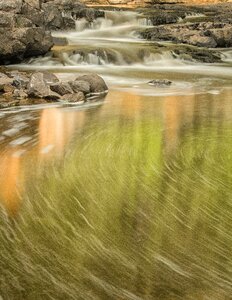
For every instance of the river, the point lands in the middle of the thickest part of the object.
(127, 198)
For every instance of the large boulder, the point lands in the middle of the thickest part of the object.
(22, 31)
(80, 85)
(16, 44)
(96, 83)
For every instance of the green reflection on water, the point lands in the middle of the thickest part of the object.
(123, 217)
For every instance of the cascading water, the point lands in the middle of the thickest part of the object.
(111, 47)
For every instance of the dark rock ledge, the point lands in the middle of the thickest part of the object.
(21, 88)
(203, 34)
(209, 26)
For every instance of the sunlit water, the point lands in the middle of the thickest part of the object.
(127, 198)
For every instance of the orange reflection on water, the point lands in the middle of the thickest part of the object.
(56, 128)
(178, 110)
(124, 103)
(11, 181)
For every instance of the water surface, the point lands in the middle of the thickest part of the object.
(127, 198)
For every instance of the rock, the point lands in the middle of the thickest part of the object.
(11, 5)
(80, 85)
(50, 78)
(19, 94)
(160, 82)
(34, 14)
(197, 54)
(53, 96)
(200, 41)
(60, 41)
(221, 36)
(34, 3)
(3, 76)
(24, 25)
(20, 80)
(61, 14)
(4, 82)
(202, 34)
(61, 88)
(38, 86)
(19, 43)
(166, 17)
(8, 88)
(72, 98)
(97, 84)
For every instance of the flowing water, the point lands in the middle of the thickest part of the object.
(127, 198)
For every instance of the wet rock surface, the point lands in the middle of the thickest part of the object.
(208, 26)
(20, 88)
(61, 14)
(160, 82)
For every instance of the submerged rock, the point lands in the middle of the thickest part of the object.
(160, 82)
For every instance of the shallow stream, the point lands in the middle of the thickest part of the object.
(127, 198)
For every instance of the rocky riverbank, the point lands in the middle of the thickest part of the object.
(207, 26)
(21, 88)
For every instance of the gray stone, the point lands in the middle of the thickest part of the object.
(160, 82)
(50, 78)
(97, 84)
(222, 36)
(19, 94)
(61, 88)
(80, 86)
(37, 87)
(19, 43)
(11, 5)
(4, 82)
(52, 96)
(72, 98)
